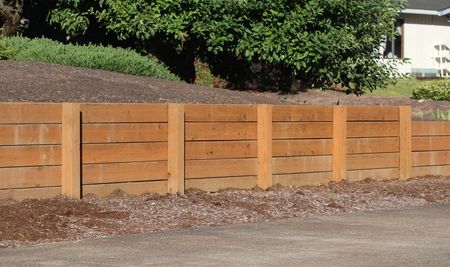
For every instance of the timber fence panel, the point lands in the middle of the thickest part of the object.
(30, 150)
(374, 140)
(430, 148)
(125, 147)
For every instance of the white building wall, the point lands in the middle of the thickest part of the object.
(421, 34)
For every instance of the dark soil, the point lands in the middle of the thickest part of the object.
(38, 221)
(41, 82)
(23, 81)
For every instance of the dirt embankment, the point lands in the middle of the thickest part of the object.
(37, 221)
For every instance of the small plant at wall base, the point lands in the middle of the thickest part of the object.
(434, 90)
(440, 115)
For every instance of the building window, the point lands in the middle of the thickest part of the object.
(393, 47)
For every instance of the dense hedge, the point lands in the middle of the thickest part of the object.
(86, 56)
(434, 90)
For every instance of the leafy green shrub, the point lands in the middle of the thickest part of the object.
(87, 56)
(5, 50)
(320, 42)
(434, 90)
(204, 76)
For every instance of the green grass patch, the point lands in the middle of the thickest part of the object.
(403, 87)
(87, 56)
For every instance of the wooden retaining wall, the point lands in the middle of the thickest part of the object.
(76, 149)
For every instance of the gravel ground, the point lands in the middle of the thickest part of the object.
(57, 219)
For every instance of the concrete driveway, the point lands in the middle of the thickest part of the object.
(408, 237)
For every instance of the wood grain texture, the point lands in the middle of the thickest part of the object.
(286, 165)
(302, 179)
(176, 159)
(308, 147)
(373, 161)
(302, 113)
(405, 142)
(430, 158)
(264, 149)
(291, 130)
(424, 128)
(220, 149)
(15, 156)
(136, 188)
(216, 184)
(339, 163)
(220, 168)
(30, 113)
(124, 132)
(372, 129)
(372, 113)
(220, 113)
(376, 174)
(71, 155)
(443, 170)
(124, 172)
(30, 134)
(124, 152)
(27, 193)
(24, 177)
(104, 113)
(429, 143)
(373, 145)
(220, 131)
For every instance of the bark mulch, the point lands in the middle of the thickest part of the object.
(58, 219)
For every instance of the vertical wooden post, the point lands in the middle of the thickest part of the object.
(71, 159)
(405, 135)
(176, 148)
(264, 146)
(339, 143)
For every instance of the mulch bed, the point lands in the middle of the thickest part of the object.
(58, 219)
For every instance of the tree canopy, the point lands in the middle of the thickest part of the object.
(320, 42)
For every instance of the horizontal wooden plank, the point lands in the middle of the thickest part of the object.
(376, 174)
(14, 156)
(372, 113)
(309, 147)
(220, 168)
(429, 143)
(98, 113)
(372, 129)
(302, 113)
(302, 179)
(216, 184)
(124, 172)
(30, 134)
(373, 145)
(124, 132)
(430, 158)
(219, 113)
(126, 152)
(136, 188)
(431, 170)
(287, 165)
(23, 177)
(30, 193)
(373, 161)
(30, 113)
(220, 149)
(287, 130)
(220, 131)
(421, 128)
